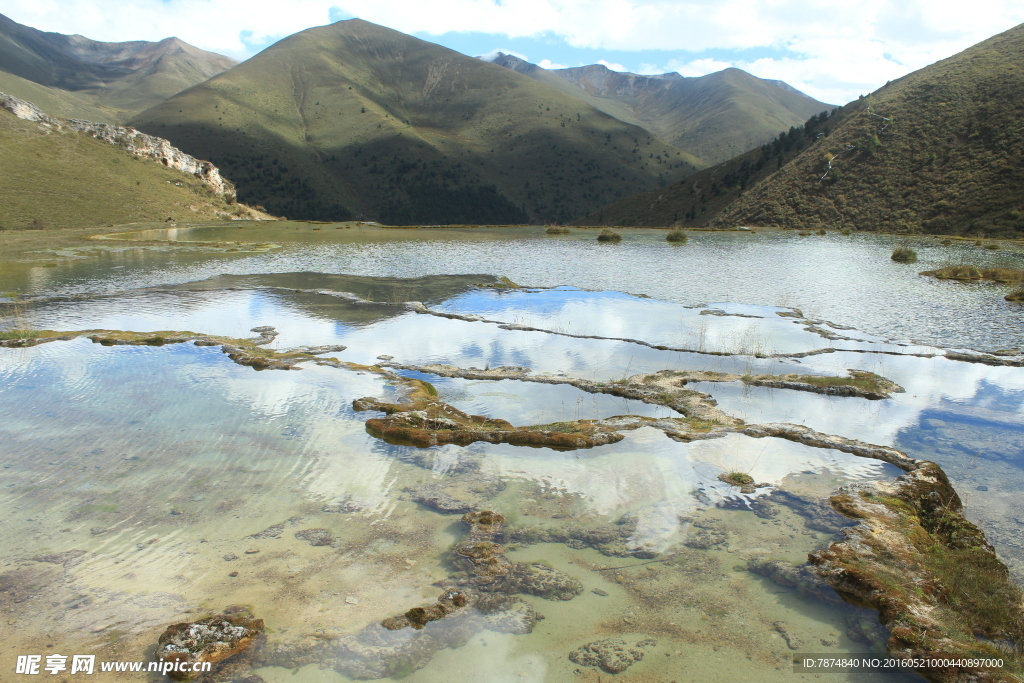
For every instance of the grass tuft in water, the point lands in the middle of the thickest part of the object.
(904, 255)
(736, 478)
(975, 273)
(1016, 295)
(609, 236)
(863, 380)
(8, 335)
(677, 236)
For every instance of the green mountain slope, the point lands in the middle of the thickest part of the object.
(699, 199)
(55, 101)
(354, 119)
(940, 150)
(714, 117)
(62, 179)
(106, 82)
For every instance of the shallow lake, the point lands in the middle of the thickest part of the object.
(147, 485)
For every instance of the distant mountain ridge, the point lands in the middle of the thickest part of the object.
(715, 117)
(355, 119)
(940, 150)
(107, 82)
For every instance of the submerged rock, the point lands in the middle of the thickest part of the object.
(614, 540)
(208, 640)
(862, 627)
(805, 581)
(707, 534)
(817, 514)
(418, 617)
(612, 655)
(792, 642)
(391, 650)
(316, 537)
(490, 582)
(435, 498)
(273, 531)
(539, 579)
(67, 558)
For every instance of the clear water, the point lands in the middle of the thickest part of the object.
(154, 464)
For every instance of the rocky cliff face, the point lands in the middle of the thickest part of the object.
(130, 139)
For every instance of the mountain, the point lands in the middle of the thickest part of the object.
(107, 82)
(699, 199)
(714, 117)
(610, 106)
(59, 174)
(940, 150)
(354, 119)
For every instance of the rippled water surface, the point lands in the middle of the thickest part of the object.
(846, 279)
(143, 486)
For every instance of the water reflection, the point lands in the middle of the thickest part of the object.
(860, 287)
(149, 485)
(185, 482)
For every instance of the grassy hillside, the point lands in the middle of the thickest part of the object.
(714, 117)
(356, 120)
(68, 179)
(699, 199)
(940, 151)
(72, 76)
(56, 102)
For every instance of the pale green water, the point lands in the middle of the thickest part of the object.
(156, 463)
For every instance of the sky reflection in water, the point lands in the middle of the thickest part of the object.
(158, 463)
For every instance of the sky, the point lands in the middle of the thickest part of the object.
(833, 50)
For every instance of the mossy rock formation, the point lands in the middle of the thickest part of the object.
(931, 575)
(210, 640)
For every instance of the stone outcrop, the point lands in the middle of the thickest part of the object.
(423, 420)
(666, 387)
(859, 383)
(935, 581)
(208, 640)
(815, 439)
(136, 142)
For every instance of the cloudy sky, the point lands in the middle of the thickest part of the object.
(833, 50)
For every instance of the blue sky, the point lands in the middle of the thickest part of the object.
(833, 50)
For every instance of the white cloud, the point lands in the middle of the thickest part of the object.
(831, 49)
(612, 65)
(548, 64)
(697, 67)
